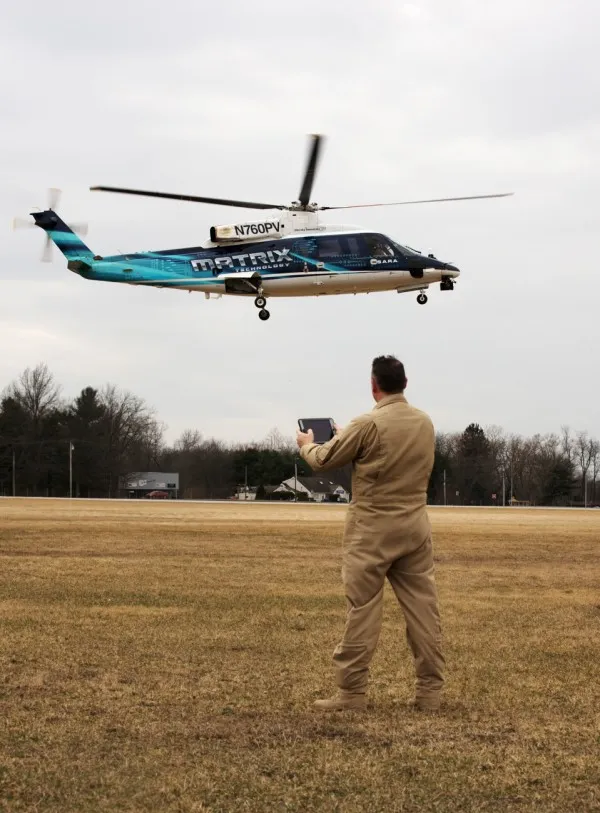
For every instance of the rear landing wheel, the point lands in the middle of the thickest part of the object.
(263, 315)
(260, 302)
(421, 299)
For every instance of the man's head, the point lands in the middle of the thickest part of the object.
(387, 377)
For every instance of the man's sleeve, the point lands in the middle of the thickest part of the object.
(342, 448)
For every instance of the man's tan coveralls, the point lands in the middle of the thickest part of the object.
(387, 533)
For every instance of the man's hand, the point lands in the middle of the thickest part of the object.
(304, 438)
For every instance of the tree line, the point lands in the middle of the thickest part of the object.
(52, 446)
(87, 445)
(487, 467)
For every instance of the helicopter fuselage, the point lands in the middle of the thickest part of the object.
(311, 264)
(323, 261)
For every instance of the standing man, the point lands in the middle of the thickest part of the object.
(387, 534)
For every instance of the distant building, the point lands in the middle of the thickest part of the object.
(245, 493)
(317, 489)
(151, 484)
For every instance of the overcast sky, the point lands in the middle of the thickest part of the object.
(418, 99)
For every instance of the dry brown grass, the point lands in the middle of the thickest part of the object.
(164, 657)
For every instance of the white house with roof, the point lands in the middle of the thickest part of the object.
(318, 489)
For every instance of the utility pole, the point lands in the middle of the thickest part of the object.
(511, 483)
(14, 473)
(503, 489)
(444, 486)
(70, 470)
(295, 480)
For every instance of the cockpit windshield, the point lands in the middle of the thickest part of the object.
(378, 245)
(405, 249)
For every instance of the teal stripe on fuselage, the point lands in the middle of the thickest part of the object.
(123, 271)
(176, 270)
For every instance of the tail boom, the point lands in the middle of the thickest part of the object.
(62, 236)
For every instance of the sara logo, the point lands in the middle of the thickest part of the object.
(278, 258)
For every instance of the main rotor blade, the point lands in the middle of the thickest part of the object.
(311, 168)
(242, 204)
(407, 202)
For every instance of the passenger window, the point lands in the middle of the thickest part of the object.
(305, 246)
(353, 246)
(329, 247)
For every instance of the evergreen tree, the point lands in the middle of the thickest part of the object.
(474, 465)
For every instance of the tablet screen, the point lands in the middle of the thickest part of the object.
(322, 428)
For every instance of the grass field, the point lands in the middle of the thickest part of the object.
(164, 657)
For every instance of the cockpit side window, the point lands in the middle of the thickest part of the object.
(379, 246)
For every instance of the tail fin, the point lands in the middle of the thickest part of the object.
(62, 236)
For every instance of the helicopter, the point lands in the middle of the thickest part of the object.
(291, 253)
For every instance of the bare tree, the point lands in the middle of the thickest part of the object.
(189, 440)
(567, 444)
(128, 414)
(510, 457)
(277, 442)
(132, 433)
(33, 402)
(594, 465)
(446, 443)
(36, 392)
(583, 447)
(150, 444)
(497, 443)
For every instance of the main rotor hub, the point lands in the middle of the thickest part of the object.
(296, 206)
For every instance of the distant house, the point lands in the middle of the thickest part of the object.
(140, 484)
(317, 489)
(245, 493)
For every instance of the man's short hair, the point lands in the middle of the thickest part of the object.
(389, 374)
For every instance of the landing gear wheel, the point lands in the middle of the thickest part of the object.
(260, 302)
(263, 315)
(421, 299)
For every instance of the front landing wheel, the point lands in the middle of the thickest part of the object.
(422, 299)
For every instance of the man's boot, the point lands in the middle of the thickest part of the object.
(343, 701)
(427, 703)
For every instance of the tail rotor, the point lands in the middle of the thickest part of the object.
(54, 196)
